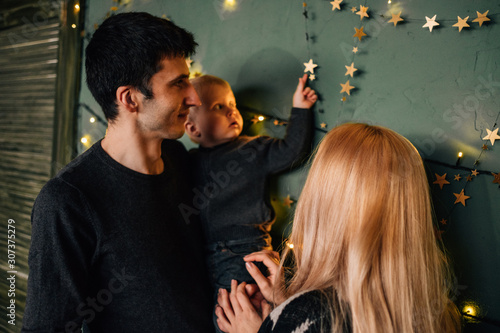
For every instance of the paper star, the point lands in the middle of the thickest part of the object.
(310, 66)
(443, 221)
(189, 62)
(355, 49)
(431, 23)
(287, 201)
(497, 177)
(336, 4)
(395, 19)
(354, 9)
(492, 136)
(462, 23)
(362, 12)
(276, 122)
(475, 172)
(323, 125)
(359, 33)
(438, 233)
(485, 147)
(441, 180)
(343, 99)
(458, 177)
(346, 88)
(469, 178)
(481, 18)
(461, 197)
(312, 77)
(350, 70)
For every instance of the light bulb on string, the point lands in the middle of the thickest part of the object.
(460, 155)
(92, 119)
(261, 118)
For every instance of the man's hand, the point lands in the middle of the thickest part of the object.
(304, 97)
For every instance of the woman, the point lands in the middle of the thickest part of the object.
(365, 256)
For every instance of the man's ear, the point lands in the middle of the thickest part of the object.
(127, 97)
(191, 129)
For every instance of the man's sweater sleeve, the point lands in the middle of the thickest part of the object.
(280, 154)
(63, 243)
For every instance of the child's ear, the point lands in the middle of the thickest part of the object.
(191, 129)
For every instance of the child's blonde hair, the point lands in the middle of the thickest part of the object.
(363, 233)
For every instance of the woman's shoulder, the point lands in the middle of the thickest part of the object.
(304, 312)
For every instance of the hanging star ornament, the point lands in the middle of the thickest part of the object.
(355, 49)
(350, 70)
(359, 33)
(481, 18)
(362, 12)
(336, 4)
(458, 177)
(475, 172)
(461, 197)
(492, 136)
(354, 9)
(395, 19)
(312, 77)
(443, 221)
(431, 23)
(346, 87)
(497, 177)
(287, 201)
(310, 66)
(323, 125)
(462, 23)
(441, 180)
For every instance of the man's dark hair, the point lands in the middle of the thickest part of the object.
(127, 50)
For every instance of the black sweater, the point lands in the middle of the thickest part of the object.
(110, 246)
(231, 193)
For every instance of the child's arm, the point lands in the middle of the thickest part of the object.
(304, 98)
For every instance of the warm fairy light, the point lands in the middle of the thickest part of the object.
(84, 140)
(389, 2)
(92, 120)
(261, 118)
(460, 154)
(77, 7)
(230, 5)
(73, 26)
(290, 245)
(470, 309)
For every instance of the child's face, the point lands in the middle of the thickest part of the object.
(218, 119)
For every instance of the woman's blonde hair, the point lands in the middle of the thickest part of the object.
(363, 233)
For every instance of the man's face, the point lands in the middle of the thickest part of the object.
(163, 116)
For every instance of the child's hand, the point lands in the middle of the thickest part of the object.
(304, 97)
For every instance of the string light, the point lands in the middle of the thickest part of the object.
(470, 310)
(460, 154)
(230, 5)
(77, 7)
(73, 26)
(389, 2)
(290, 245)
(261, 118)
(84, 140)
(92, 119)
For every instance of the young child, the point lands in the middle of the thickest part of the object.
(231, 171)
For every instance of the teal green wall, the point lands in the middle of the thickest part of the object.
(440, 89)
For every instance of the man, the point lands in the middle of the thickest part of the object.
(109, 246)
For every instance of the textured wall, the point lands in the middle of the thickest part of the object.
(440, 89)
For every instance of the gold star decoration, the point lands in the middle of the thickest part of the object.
(323, 125)
(462, 23)
(346, 87)
(469, 178)
(343, 99)
(336, 4)
(276, 122)
(485, 147)
(354, 9)
(475, 172)
(395, 19)
(310, 66)
(350, 70)
(355, 49)
(481, 18)
(461, 197)
(312, 77)
(359, 33)
(497, 178)
(287, 202)
(441, 180)
(443, 221)
(492, 136)
(458, 177)
(362, 12)
(431, 23)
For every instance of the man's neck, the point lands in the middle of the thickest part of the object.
(133, 150)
